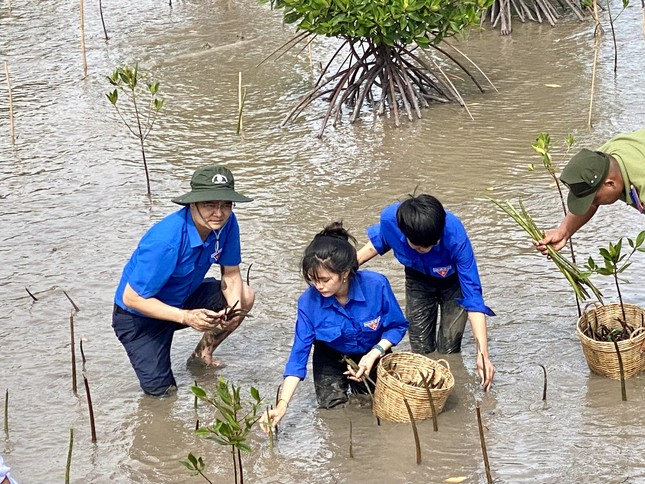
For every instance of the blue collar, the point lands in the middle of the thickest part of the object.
(193, 234)
(355, 294)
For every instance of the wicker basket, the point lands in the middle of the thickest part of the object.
(390, 389)
(601, 355)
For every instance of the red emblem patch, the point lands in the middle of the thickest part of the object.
(442, 271)
(373, 324)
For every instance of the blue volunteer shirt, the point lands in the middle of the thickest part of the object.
(453, 253)
(172, 260)
(371, 313)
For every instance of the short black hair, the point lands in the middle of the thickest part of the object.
(330, 250)
(421, 219)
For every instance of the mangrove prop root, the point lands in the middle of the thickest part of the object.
(545, 383)
(90, 408)
(482, 441)
(415, 432)
(623, 390)
(351, 446)
(400, 76)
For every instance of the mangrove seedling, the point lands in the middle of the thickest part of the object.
(233, 421)
(138, 116)
(482, 441)
(73, 350)
(415, 432)
(196, 466)
(614, 263)
(542, 147)
(68, 466)
(579, 281)
(90, 408)
(378, 62)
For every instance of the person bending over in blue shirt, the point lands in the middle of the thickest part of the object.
(163, 289)
(343, 312)
(440, 271)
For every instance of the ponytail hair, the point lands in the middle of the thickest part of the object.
(332, 249)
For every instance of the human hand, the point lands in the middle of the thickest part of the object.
(554, 237)
(485, 370)
(231, 324)
(270, 418)
(201, 319)
(364, 366)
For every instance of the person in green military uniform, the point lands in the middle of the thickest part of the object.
(616, 171)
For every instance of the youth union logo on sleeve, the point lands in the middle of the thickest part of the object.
(373, 324)
(442, 271)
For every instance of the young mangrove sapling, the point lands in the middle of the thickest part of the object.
(139, 117)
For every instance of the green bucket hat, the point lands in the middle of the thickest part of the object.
(583, 175)
(211, 183)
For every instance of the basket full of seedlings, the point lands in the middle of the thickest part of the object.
(614, 334)
(604, 329)
(421, 381)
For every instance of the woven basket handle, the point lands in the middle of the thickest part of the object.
(637, 332)
(444, 363)
(595, 304)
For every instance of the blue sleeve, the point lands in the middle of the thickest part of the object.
(156, 261)
(394, 323)
(375, 235)
(232, 251)
(471, 287)
(302, 342)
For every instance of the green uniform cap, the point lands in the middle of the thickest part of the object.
(583, 175)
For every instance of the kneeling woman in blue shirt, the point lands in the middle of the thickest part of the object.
(343, 312)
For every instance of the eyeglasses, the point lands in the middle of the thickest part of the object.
(213, 206)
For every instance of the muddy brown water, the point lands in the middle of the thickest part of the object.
(73, 208)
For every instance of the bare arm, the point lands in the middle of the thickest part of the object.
(367, 362)
(200, 319)
(485, 368)
(569, 226)
(365, 253)
(272, 417)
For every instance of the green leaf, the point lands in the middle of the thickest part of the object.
(113, 97)
(198, 392)
(255, 394)
(640, 238)
(243, 447)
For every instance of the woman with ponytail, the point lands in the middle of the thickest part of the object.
(344, 312)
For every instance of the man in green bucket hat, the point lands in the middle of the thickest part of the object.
(163, 288)
(616, 171)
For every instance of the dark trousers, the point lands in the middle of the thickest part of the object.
(331, 385)
(424, 296)
(147, 341)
